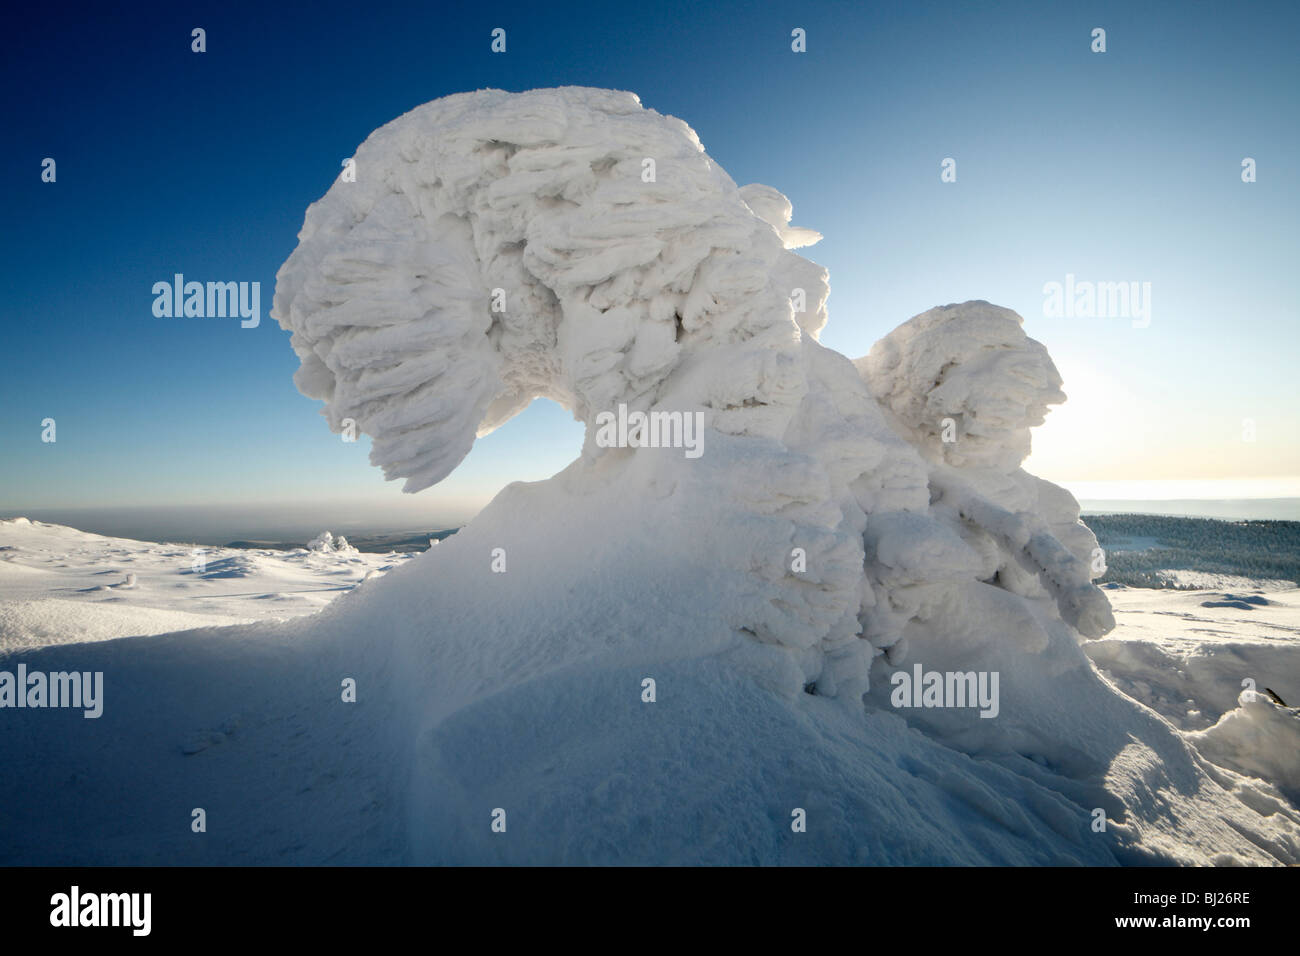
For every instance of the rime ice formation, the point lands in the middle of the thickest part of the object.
(614, 289)
(326, 543)
(847, 521)
(498, 247)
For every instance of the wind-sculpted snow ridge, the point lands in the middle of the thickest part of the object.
(650, 657)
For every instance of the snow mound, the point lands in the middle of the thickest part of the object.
(1260, 738)
(650, 657)
(326, 543)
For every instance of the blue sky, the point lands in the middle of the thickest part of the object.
(1122, 166)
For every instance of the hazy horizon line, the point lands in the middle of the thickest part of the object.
(217, 525)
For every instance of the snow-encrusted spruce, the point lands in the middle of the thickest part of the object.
(970, 370)
(680, 295)
(608, 280)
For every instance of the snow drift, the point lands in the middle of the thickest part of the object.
(845, 523)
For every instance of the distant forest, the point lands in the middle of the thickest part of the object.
(1255, 549)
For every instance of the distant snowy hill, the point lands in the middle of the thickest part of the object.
(747, 643)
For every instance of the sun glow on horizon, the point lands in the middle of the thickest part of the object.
(1114, 439)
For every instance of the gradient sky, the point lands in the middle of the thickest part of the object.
(1114, 167)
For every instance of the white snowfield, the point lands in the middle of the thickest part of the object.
(59, 585)
(1206, 660)
(845, 523)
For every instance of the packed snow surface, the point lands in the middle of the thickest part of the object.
(650, 657)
